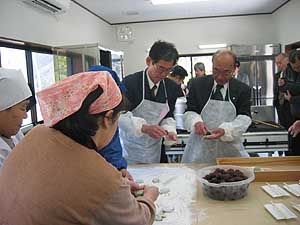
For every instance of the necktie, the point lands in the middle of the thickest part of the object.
(153, 90)
(218, 95)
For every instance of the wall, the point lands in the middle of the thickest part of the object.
(287, 22)
(19, 21)
(77, 26)
(188, 34)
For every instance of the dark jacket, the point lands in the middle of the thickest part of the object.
(134, 86)
(201, 87)
(283, 106)
(292, 84)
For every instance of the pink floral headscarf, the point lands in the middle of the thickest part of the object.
(65, 97)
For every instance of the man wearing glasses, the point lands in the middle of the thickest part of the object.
(152, 96)
(218, 113)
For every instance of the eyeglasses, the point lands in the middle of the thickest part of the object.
(222, 72)
(162, 69)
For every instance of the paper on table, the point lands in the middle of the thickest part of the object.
(279, 211)
(293, 188)
(296, 206)
(274, 190)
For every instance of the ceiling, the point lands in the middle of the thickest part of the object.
(135, 11)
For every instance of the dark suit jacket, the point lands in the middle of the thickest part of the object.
(283, 111)
(292, 84)
(134, 86)
(201, 87)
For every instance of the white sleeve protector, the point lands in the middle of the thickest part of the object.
(131, 125)
(169, 124)
(235, 129)
(190, 118)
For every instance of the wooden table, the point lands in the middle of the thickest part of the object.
(246, 211)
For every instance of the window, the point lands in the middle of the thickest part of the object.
(43, 74)
(206, 60)
(15, 59)
(42, 66)
(188, 62)
(117, 63)
(39, 64)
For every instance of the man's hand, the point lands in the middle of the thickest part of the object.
(201, 128)
(172, 136)
(215, 134)
(295, 128)
(287, 96)
(154, 131)
(171, 139)
(281, 82)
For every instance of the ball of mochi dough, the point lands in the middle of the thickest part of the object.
(164, 190)
(138, 193)
(167, 208)
(155, 180)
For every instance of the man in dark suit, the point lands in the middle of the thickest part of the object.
(282, 105)
(290, 85)
(218, 113)
(152, 96)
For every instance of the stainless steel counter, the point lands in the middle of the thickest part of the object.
(269, 141)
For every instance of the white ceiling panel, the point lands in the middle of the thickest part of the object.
(133, 11)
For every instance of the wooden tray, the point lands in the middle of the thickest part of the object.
(268, 168)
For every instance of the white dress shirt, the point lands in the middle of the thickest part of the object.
(223, 90)
(151, 84)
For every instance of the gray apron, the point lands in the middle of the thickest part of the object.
(145, 149)
(213, 114)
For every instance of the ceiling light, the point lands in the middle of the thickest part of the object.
(213, 46)
(163, 2)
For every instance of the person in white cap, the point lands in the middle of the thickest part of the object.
(15, 101)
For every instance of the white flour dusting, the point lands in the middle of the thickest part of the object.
(182, 184)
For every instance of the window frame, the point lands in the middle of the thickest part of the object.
(29, 48)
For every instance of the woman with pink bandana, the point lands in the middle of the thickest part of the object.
(56, 176)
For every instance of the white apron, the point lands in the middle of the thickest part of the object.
(145, 149)
(5, 149)
(213, 114)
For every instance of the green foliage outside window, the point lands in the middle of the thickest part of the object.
(60, 67)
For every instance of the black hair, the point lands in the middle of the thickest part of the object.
(179, 71)
(237, 63)
(293, 55)
(82, 125)
(32, 100)
(162, 50)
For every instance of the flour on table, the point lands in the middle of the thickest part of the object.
(172, 206)
(155, 180)
(164, 190)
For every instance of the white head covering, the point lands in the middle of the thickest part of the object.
(13, 88)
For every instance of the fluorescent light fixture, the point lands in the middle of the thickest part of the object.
(163, 2)
(213, 46)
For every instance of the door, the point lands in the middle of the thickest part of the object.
(265, 74)
(261, 72)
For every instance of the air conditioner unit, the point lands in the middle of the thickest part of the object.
(51, 6)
